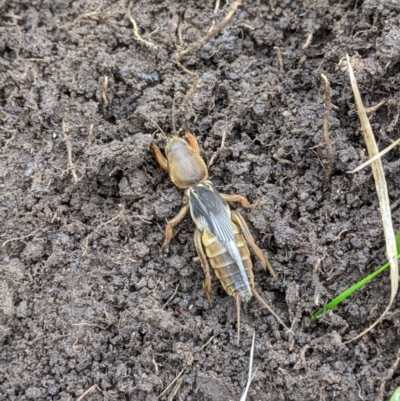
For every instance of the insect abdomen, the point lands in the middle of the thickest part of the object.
(226, 268)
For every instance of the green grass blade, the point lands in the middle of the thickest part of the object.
(396, 395)
(345, 294)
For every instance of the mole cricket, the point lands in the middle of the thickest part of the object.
(222, 236)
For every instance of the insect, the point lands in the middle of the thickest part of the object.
(221, 236)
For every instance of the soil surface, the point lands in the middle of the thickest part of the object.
(89, 307)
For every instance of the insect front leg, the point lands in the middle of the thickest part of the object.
(236, 198)
(238, 219)
(162, 161)
(204, 264)
(172, 223)
(192, 141)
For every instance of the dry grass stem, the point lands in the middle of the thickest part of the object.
(137, 36)
(383, 197)
(250, 376)
(71, 166)
(90, 135)
(90, 325)
(395, 204)
(104, 94)
(171, 297)
(280, 58)
(117, 216)
(173, 381)
(378, 156)
(308, 40)
(175, 389)
(216, 8)
(376, 107)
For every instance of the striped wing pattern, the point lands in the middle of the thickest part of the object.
(212, 214)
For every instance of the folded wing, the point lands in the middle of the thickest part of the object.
(212, 214)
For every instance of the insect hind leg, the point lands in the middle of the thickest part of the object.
(238, 219)
(236, 198)
(269, 309)
(204, 264)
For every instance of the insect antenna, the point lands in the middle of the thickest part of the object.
(160, 129)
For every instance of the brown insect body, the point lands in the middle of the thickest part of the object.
(225, 267)
(222, 232)
(185, 166)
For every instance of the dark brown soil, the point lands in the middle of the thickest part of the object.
(83, 283)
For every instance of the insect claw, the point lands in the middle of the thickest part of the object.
(209, 300)
(165, 246)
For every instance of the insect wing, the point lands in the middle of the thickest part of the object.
(211, 213)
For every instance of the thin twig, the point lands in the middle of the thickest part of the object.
(280, 58)
(194, 84)
(389, 375)
(371, 109)
(171, 297)
(19, 238)
(308, 40)
(215, 154)
(328, 102)
(87, 392)
(210, 34)
(379, 155)
(120, 214)
(214, 31)
(71, 165)
(183, 370)
(137, 36)
(90, 325)
(383, 198)
(394, 205)
(210, 339)
(104, 94)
